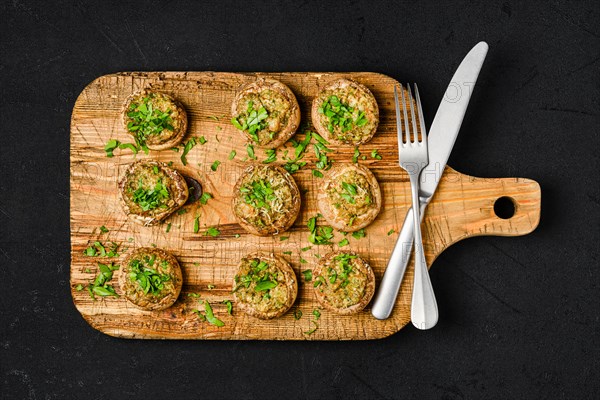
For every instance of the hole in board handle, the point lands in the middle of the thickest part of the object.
(504, 207)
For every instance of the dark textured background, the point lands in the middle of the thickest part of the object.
(519, 316)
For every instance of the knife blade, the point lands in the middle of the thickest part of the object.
(442, 135)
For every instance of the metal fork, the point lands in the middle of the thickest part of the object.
(414, 157)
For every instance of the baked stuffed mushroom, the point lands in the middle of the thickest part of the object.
(349, 198)
(150, 278)
(265, 285)
(266, 200)
(267, 112)
(151, 191)
(344, 282)
(345, 112)
(156, 120)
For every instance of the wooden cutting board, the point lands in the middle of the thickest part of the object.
(463, 206)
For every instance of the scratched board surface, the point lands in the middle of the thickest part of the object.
(462, 207)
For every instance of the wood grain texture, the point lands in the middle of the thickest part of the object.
(463, 206)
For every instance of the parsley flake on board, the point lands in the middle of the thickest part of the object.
(271, 156)
(319, 235)
(297, 314)
(229, 306)
(250, 151)
(99, 286)
(186, 149)
(212, 231)
(209, 316)
(110, 146)
(97, 249)
(359, 234)
(205, 197)
(307, 274)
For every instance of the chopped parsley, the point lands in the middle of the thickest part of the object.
(99, 286)
(341, 115)
(321, 150)
(294, 165)
(147, 275)
(187, 147)
(205, 197)
(146, 121)
(100, 250)
(229, 306)
(344, 242)
(359, 234)
(110, 146)
(212, 231)
(250, 151)
(375, 155)
(129, 146)
(263, 280)
(210, 316)
(196, 224)
(232, 155)
(350, 191)
(317, 173)
(258, 194)
(271, 156)
(202, 140)
(345, 269)
(307, 274)
(168, 227)
(391, 231)
(150, 199)
(313, 330)
(356, 155)
(253, 121)
(103, 229)
(319, 280)
(317, 314)
(319, 235)
(297, 314)
(215, 165)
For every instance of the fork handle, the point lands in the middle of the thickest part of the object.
(423, 309)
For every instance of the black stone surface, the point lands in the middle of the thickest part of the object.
(519, 316)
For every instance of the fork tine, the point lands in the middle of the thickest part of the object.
(398, 119)
(421, 118)
(415, 133)
(406, 127)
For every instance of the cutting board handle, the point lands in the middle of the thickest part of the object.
(469, 202)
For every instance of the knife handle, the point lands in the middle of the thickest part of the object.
(385, 299)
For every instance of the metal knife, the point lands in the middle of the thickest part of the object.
(442, 136)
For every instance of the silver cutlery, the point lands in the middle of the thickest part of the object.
(414, 157)
(442, 135)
